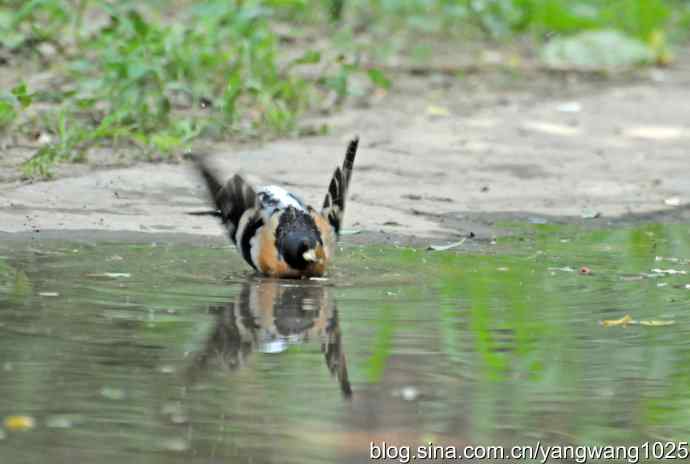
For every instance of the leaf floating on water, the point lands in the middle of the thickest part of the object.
(19, 423)
(655, 323)
(446, 247)
(175, 444)
(562, 269)
(63, 421)
(666, 258)
(627, 320)
(112, 393)
(167, 369)
(49, 294)
(112, 275)
(669, 271)
(623, 321)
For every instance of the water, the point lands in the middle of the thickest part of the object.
(166, 352)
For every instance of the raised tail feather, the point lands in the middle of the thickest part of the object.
(231, 199)
(334, 203)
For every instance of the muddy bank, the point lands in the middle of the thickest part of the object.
(437, 161)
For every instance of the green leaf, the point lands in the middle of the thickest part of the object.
(21, 93)
(379, 78)
(309, 57)
(166, 142)
(7, 113)
(232, 91)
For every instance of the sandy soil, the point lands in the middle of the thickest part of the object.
(440, 157)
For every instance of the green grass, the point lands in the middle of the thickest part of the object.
(143, 81)
(152, 77)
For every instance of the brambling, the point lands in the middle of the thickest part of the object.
(274, 230)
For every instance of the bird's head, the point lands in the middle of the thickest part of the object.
(299, 241)
(301, 250)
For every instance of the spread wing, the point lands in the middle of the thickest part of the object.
(232, 199)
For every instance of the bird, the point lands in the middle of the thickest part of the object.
(276, 233)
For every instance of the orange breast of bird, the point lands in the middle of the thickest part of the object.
(268, 260)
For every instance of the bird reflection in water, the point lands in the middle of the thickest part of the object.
(267, 316)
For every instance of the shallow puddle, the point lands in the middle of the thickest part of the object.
(162, 352)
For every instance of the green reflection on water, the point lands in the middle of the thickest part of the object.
(499, 345)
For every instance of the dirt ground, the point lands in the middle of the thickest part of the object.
(440, 157)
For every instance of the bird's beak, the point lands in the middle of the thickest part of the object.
(310, 256)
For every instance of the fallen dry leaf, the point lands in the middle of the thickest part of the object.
(624, 321)
(551, 128)
(656, 132)
(434, 110)
(655, 323)
(19, 423)
(627, 320)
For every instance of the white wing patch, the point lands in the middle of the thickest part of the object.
(272, 198)
(254, 248)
